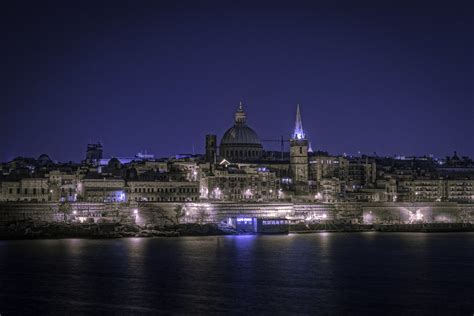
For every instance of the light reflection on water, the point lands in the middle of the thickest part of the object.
(314, 273)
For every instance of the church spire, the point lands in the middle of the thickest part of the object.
(298, 133)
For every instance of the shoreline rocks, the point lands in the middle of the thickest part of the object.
(55, 230)
(29, 229)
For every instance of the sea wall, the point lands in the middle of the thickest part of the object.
(50, 212)
(216, 212)
(410, 213)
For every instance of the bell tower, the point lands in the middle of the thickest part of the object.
(299, 152)
(211, 148)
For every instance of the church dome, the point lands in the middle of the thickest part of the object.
(240, 134)
(44, 160)
(240, 142)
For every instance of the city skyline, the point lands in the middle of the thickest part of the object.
(237, 157)
(131, 77)
(268, 145)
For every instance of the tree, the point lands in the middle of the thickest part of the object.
(179, 212)
(65, 208)
(202, 215)
(157, 213)
(117, 209)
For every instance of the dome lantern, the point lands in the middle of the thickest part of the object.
(240, 117)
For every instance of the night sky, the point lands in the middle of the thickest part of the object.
(386, 77)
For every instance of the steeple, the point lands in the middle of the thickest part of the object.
(298, 133)
(240, 116)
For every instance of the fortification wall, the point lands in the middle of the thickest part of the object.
(409, 213)
(203, 212)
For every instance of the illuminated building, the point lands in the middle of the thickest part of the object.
(240, 142)
(236, 184)
(461, 190)
(299, 152)
(163, 191)
(240, 170)
(26, 190)
(102, 190)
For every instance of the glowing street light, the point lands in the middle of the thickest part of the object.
(248, 193)
(217, 193)
(280, 193)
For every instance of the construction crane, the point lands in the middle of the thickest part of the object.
(281, 141)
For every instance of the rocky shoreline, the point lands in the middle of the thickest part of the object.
(50, 230)
(426, 228)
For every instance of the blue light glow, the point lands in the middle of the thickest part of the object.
(244, 219)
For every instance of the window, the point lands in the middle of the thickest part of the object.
(301, 150)
(10, 191)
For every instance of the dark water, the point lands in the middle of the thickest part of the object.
(330, 273)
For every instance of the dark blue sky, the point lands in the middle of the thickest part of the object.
(392, 77)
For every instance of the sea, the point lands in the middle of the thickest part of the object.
(366, 273)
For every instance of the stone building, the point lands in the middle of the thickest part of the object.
(211, 148)
(94, 153)
(361, 173)
(420, 190)
(324, 167)
(328, 190)
(459, 190)
(161, 191)
(143, 166)
(102, 190)
(26, 190)
(62, 185)
(234, 184)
